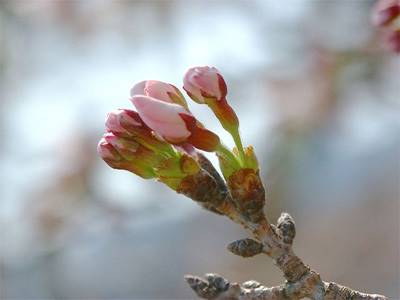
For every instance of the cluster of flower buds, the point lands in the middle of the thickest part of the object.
(162, 140)
(386, 15)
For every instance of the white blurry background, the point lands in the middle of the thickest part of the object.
(316, 94)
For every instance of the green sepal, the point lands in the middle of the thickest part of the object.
(170, 167)
(189, 165)
(175, 168)
(250, 159)
(227, 168)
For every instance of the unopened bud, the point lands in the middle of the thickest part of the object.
(286, 227)
(209, 287)
(204, 82)
(385, 12)
(107, 151)
(159, 90)
(206, 85)
(137, 159)
(393, 41)
(120, 120)
(245, 247)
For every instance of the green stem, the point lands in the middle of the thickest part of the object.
(222, 149)
(238, 142)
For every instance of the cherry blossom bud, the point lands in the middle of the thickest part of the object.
(125, 147)
(120, 120)
(162, 117)
(174, 123)
(127, 123)
(204, 82)
(125, 153)
(385, 12)
(159, 90)
(393, 41)
(206, 85)
(119, 153)
(107, 151)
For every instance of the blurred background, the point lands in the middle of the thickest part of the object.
(317, 96)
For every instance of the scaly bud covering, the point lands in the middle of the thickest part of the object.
(159, 90)
(248, 193)
(245, 247)
(286, 228)
(209, 287)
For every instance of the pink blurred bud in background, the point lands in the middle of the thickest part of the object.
(393, 40)
(386, 15)
(385, 12)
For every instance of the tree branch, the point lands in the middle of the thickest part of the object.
(209, 287)
(272, 240)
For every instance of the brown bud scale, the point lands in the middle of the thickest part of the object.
(202, 188)
(245, 247)
(248, 193)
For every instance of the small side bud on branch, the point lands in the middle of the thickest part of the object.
(286, 228)
(245, 247)
(209, 287)
(251, 284)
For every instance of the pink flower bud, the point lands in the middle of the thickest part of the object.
(125, 154)
(107, 151)
(125, 147)
(118, 121)
(204, 82)
(385, 12)
(159, 90)
(162, 117)
(393, 41)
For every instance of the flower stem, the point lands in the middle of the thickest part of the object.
(222, 149)
(238, 142)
